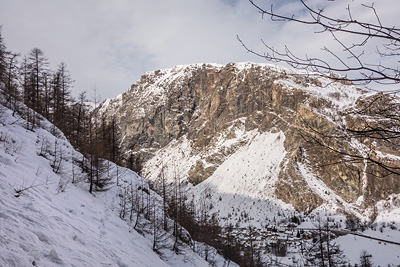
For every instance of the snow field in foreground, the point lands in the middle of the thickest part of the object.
(43, 226)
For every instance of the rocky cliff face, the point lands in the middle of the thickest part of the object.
(261, 134)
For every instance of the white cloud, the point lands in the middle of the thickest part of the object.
(110, 44)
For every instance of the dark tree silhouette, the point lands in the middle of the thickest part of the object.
(365, 259)
(48, 93)
(8, 76)
(38, 73)
(60, 95)
(3, 52)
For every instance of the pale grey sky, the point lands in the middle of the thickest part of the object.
(110, 44)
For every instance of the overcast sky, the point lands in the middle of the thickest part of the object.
(110, 44)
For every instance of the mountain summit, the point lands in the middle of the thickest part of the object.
(254, 141)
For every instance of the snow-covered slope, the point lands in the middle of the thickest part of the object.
(46, 220)
(240, 190)
(243, 140)
(382, 253)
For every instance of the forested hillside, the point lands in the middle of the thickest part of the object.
(64, 204)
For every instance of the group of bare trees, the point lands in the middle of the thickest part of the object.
(195, 224)
(42, 90)
(166, 215)
(29, 80)
(324, 250)
(47, 93)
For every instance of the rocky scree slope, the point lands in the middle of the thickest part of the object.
(249, 133)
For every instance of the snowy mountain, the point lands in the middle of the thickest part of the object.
(247, 135)
(48, 217)
(236, 143)
(256, 145)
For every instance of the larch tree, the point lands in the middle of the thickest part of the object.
(2, 60)
(61, 94)
(9, 76)
(37, 73)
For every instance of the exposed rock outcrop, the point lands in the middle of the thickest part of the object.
(193, 118)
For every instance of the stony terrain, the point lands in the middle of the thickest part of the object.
(259, 138)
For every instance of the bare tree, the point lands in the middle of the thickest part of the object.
(38, 73)
(376, 121)
(365, 259)
(353, 35)
(10, 80)
(80, 118)
(327, 252)
(3, 52)
(58, 154)
(8, 76)
(163, 192)
(159, 235)
(60, 95)
(26, 91)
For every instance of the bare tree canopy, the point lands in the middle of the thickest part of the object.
(365, 51)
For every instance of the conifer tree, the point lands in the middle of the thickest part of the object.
(2, 60)
(8, 75)
(61, 95)
(37, 73)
